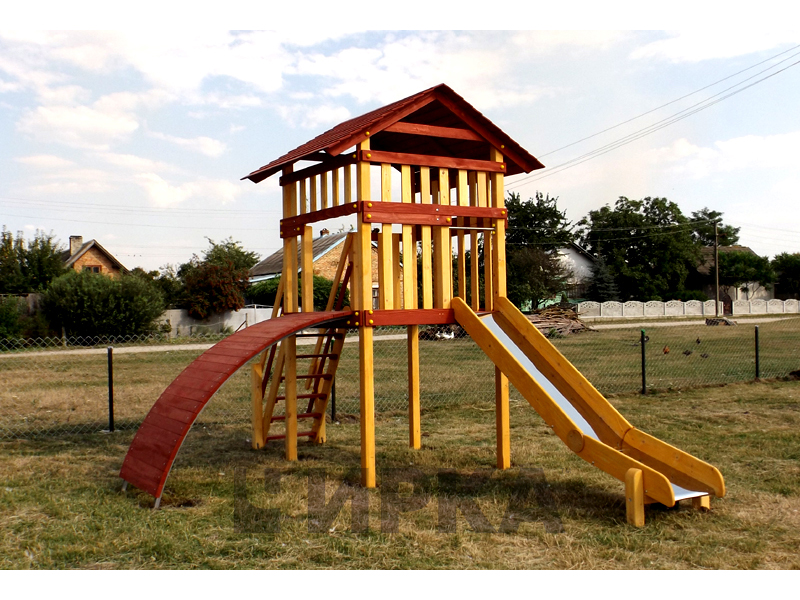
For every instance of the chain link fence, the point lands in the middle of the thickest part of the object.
(57, 386)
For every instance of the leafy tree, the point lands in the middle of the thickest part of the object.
(647, 245)
(229, 251)
(212, 289)
(787, 268)
(536, 230)
(602, 287)
(703, 231)
(10, 316)
(736, 269)
(28, 268)
(90, 304)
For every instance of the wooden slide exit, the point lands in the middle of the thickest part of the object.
(580, 416)
(155, 446)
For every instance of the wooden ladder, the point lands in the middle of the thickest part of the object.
(268, 378)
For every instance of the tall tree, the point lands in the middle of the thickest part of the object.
(536, 230)
(229, 251)
(737, 269)
(647, 245)
(26, 268)
(787, 269)
(703, 228)
(602, 287)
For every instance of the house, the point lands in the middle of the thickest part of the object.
(750, 291)
(580, 263)
(326, 250)
(91, 256)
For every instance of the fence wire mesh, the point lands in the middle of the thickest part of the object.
(55, 386)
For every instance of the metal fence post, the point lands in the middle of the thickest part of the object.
(111, 389)
(644, 363)
(758, 365)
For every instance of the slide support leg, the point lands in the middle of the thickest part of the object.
(502, 420)
(701, 503)
(634, 497)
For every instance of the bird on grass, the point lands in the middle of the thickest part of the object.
(687, 352)
(704, 355)
(666, 349)
(697, 341)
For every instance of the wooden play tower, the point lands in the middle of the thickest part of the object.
(434, 167)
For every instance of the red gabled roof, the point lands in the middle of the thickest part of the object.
(438, 105)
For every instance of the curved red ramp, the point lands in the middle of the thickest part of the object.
(156, 443)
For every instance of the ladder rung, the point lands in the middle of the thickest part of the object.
(321, 334)
(283, 436)
(300, 416)
(299, 396)
(332, 356)
(312, 376)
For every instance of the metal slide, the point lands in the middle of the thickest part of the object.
(578, 413)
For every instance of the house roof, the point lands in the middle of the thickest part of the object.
(439, 106)
(707, 256)
(273, 264)
(69, 259)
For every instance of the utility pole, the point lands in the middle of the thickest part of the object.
(716, 267)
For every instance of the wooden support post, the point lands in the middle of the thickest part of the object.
(385, 253)
(409, 303)
(474, 263)
(425, 240)
(502, 420)
(363, 303)
(701, 503)
(634, 497)
(289, 273)
(307, 270)
(462, 190)
(499, 245)
(257, 397)
(414, 427)
(290, 402)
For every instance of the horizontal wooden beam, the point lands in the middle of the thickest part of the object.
(384, 318)
(435, 131)
(447, 162)
(329, 164)
(393, 212)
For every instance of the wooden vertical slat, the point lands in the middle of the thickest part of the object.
(462, 190)
(499, 246)
(425, 240)
(410, 302)
(474, 263)
(335, 186)
(488, 295)
(303, 197)
(409, 247)
(385, 253)
(397, 275)
(348, 193)
(442, 249)
(312, 181)
(289, 272)
(323, 190)
(363, 301)
(307, 269)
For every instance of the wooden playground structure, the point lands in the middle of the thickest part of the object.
(415, 174)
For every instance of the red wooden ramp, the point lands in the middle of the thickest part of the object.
(155, 445)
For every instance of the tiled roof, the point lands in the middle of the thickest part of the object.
(69, 259)
(707, 256)
(438, 105)
(273, 264)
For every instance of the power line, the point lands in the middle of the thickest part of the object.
(679, 116)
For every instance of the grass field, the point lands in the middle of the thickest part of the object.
(61, 504)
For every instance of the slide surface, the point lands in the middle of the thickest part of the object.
(155, 445)
(589, 425)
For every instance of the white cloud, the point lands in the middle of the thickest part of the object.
(134, 163)
(705, 44)
(736, 154)
(77, 126)
(203, 145)
(163, 194)
(45, 161)
(299, 115)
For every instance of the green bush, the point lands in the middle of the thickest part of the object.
(90, 304)
(264, 292)
(10, 316)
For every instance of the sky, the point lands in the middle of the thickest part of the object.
(138, 138)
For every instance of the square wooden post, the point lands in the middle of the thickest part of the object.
(634, 497)
(410, 303)
(363, 304)
(290, 305)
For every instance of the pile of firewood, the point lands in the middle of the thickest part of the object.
(556, 321)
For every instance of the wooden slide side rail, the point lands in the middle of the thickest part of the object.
(158, 440)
